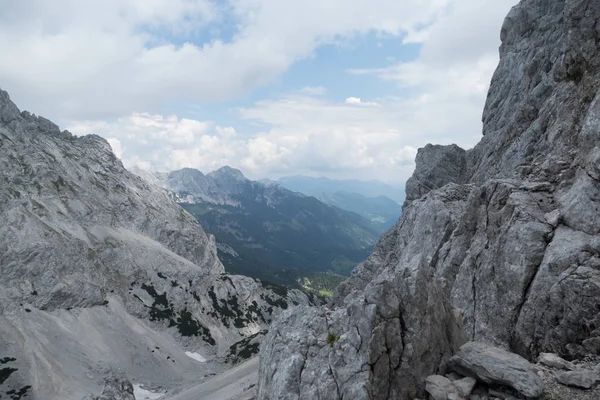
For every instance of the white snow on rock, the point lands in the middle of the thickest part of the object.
(143, 394)
(195, 356)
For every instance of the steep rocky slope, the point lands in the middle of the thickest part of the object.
(267, 231)
(100, 271)
(499, 244)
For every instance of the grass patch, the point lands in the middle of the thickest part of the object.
(331, 339)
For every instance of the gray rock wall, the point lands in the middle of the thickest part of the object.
(498, 244)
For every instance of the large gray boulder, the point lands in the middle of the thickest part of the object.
(503, 248)
(496, 366)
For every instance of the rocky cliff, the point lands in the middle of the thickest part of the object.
(498, 244)
(100, 271)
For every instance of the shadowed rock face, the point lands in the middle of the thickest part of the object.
(99, 269)
(499, 244)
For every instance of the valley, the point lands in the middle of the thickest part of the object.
(477, 279)
(268, 232)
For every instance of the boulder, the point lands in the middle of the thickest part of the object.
(582, 378)
(440, 387)
(554, 361)
(465, 386)
(496, 366)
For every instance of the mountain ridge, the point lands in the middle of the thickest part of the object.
(315, 186)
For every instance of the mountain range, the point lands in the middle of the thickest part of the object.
(374, 200)
(267, 231)
(316, 186)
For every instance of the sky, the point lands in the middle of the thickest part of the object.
(336, 88)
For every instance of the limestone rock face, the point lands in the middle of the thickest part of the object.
(99, 269)
(499, 244)
(436, 167)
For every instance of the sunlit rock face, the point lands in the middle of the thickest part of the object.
(498, 244)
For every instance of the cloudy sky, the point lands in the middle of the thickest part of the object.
(337, 88)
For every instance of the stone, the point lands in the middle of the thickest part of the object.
(580, 378)
(440, 388)
(465, 386)
(554, 361)
(496, 366)
(553, 218)
(497, 394)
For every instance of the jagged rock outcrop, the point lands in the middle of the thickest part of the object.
(502, 246)
(436, 166)
(99, 269)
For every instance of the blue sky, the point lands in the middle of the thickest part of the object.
(272, 87)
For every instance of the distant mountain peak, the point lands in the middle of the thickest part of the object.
(228, 172)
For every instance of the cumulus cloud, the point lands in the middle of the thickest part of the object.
(307, 134)
(450, 78)
(313, 90)
(115, 144)
(106, 59)
(110, 68)
(358, 101)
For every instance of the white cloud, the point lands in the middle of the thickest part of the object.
(110, 68)
(358, 101)
(447, 84)
(107, 59)
(308, 134)
(313, 90)
(115, 144)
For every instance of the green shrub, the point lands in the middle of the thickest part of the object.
(331, 339)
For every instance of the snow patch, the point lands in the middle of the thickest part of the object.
(143, 394)
(195, 356)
